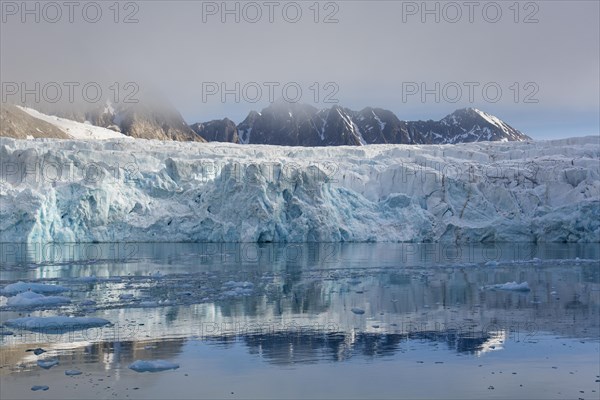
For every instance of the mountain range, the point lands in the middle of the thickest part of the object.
(281, 123)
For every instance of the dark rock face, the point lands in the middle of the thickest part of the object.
(466, 125)
(337, 128)
(382, 126)
(147, 122)
(287, 124)
(304, 125)
(102, 116)
(219, 130)
(291, 124)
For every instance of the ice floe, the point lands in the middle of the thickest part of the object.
(55, 324)
(152, 365)
(73, 372)
(42, 288)
(520, 287)
(47, 364)
(34, 300)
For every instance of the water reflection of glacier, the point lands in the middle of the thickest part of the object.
(302, 312)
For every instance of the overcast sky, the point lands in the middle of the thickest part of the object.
(378, 53)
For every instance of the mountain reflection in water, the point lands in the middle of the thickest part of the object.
(305, 310)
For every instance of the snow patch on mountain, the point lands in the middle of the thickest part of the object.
(76, 130)
(496, 122)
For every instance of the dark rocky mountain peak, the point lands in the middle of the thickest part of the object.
(466, 125)
(293, 124)
(219, 130)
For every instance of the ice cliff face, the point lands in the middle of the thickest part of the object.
(124, 190)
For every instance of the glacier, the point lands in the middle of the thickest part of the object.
(123, 190)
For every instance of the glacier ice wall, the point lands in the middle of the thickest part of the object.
(141, 190)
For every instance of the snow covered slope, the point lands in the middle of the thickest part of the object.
(74, 129)
(126, 190)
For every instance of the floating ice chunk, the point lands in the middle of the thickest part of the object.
(358, 311)
(32, 299)
(37, 351)
(72, 372)
(491, 263)
(523, 287)
(152, 365)
(47, 364)
(20, 287)
(39, 387)
(234, 289)
(237, 292)
(148, 304)
(56, 325)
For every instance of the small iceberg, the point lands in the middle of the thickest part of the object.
(520, 287)
(152, 365)
(236, 289)
(47, 364)
(20, 287)
(55, 325)
(237, 292)
(148, 304)
(33, 299)
(73, 372)
(358, 311)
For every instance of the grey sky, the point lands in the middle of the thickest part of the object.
(377, 49)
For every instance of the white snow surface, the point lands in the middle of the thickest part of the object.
(145, 191)
(152, 365)
(76, 130)
(495, 121)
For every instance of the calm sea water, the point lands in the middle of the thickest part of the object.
(309, 321)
